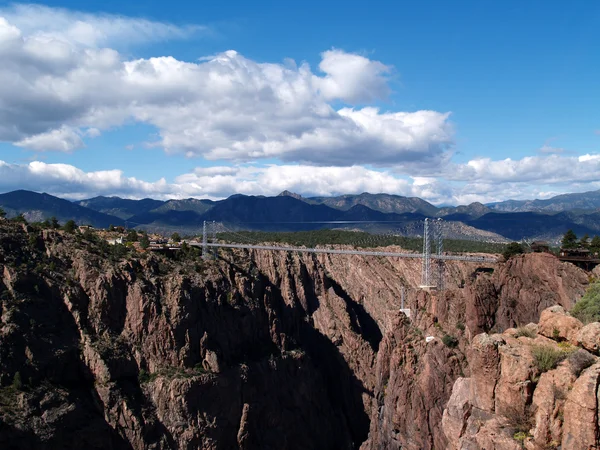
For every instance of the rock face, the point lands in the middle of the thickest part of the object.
(518, 291)
(526, 391)
(260, 350)
(411, 390)
(153, 353)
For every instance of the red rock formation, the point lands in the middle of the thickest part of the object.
(519, 290)
(515, 396)
(257, 349)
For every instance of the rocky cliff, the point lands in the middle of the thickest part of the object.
(534, 387)
(254, 350)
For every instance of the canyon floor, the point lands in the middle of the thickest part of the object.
(265, 350)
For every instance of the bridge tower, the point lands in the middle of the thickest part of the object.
(439, 233)
(426, 272)
(214, 238)
(204, 241)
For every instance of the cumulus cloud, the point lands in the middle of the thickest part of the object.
(549, 169)
(205, 182)
(68, 181)
(479, 180)
(55, 77)
(64, 139)
(347, 75)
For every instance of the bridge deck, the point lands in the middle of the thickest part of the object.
(351, 252)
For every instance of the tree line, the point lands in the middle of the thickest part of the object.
(570, 241)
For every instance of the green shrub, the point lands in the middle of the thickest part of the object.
(547, 357)
(145, 377)
(525, 332)
(512, 249)
(449, 341)
(588, 308)
(70, 226)
(520, 436)
(17, 382)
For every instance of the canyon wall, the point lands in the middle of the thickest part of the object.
(254, 350)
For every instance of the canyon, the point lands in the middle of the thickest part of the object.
(274, 350)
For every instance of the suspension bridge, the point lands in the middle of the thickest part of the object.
(433, 256)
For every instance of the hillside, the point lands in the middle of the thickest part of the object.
(119, 207)
(291, 212)
(378, 202)
(587, 201)
(38, 207)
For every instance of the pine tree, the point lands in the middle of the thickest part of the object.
(70, 226)
(595, 244)
(569, 240)
(2, 213)
(132, 236)
(585, 241)
(512, 249)
(144, 241)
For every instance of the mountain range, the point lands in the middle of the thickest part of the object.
(377, 213)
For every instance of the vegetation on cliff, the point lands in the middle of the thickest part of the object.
(357, 239)
(588, 308)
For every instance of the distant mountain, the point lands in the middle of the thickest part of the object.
(290, 194)
(283, 212)
(38, 207)
(291, 212)
(472, 211)
(120, 207)
(386, 203)
(189, 204)
(533, 225)
(565, 202)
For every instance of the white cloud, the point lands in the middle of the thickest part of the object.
(64, 139)
(352, 78)
(548, 149)
(68, 181)
(93, 132)
(487, 183)
(549, 169)
(224, 107)
(92, 30)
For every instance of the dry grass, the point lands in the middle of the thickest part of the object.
(547, 357)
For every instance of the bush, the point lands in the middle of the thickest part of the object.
(145, 377)
(588, 308)
(512, 249)
(17, 383)
(580, 360)
(70, 226)
(132, 236)
(144, 241)
(521, 420)
(449, 341)
(525, 332)
(547, 357)
(20, 219)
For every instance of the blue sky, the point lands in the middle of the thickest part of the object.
(519, 79)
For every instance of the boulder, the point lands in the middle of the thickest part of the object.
(589, 337)
(556, 324)
(580, 413)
